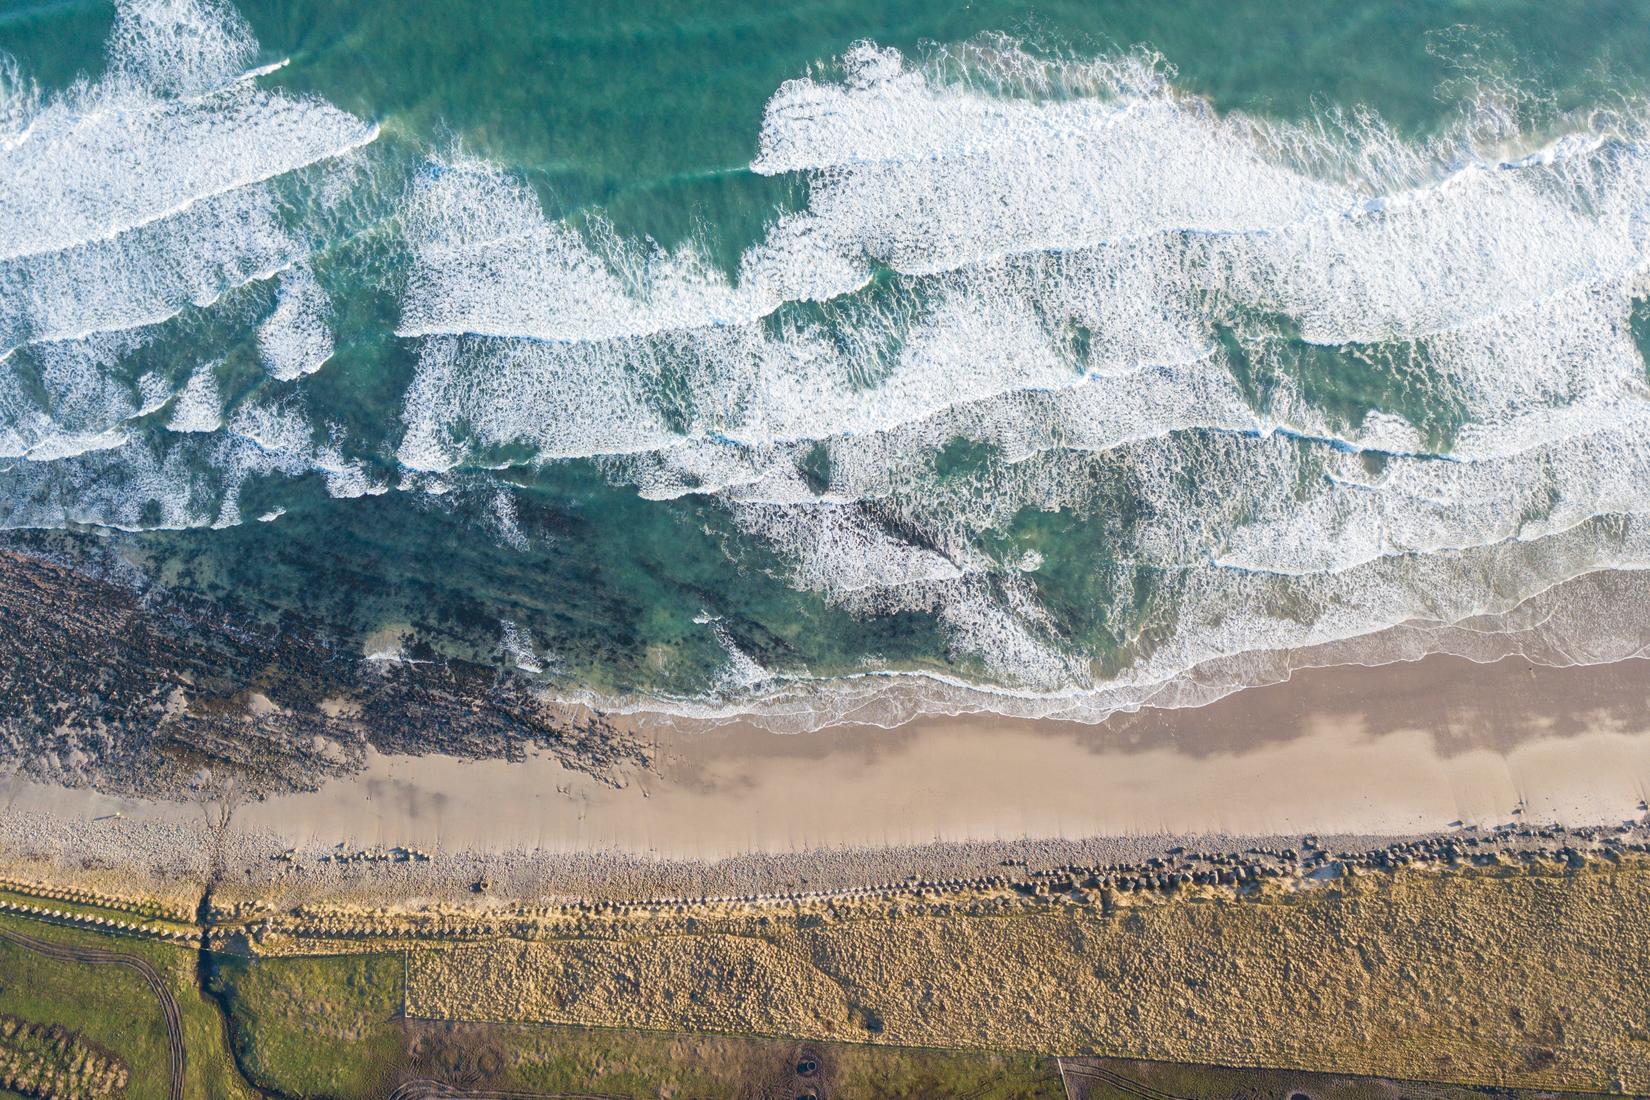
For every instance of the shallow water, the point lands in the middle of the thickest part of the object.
(840, 360)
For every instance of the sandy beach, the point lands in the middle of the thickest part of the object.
(1392, 750)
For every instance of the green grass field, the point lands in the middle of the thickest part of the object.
(641, 1064)
(113, 1008)
(312, 1027)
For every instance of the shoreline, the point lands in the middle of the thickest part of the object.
(1361, 755)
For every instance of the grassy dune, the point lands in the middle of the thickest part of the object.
(1515, 979)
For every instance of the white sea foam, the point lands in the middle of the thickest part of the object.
(19, 100)
(930, 178)
(1594, 618)
(86, 177)
(838, 549)
(179, 47)
(282, 433)
(139, 485)
(296, 339)
(150, 194)
(742, 672)
(167, 127)
(198, 407)
(506, 521)
(125, 200)
(146, 276)
(516, 644)
(1313, 388)
(877, 368)
(561, 400)
(189, 477)
(63, 399)
(471, 226)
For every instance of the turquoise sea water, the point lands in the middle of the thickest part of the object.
(825, 359)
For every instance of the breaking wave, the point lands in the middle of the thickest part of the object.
(1130, 401)
(1294, 393)
(154, 202)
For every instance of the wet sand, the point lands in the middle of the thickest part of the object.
(1398, 749)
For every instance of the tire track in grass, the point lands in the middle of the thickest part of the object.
(144, 970)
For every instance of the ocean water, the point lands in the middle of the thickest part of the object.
(841, 361)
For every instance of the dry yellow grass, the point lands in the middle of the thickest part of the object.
(701, 983)
(1508, 979)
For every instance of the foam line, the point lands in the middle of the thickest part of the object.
(187, 155)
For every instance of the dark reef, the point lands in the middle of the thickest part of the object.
(134, 689)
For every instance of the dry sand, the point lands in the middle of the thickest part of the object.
(1398, 749)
